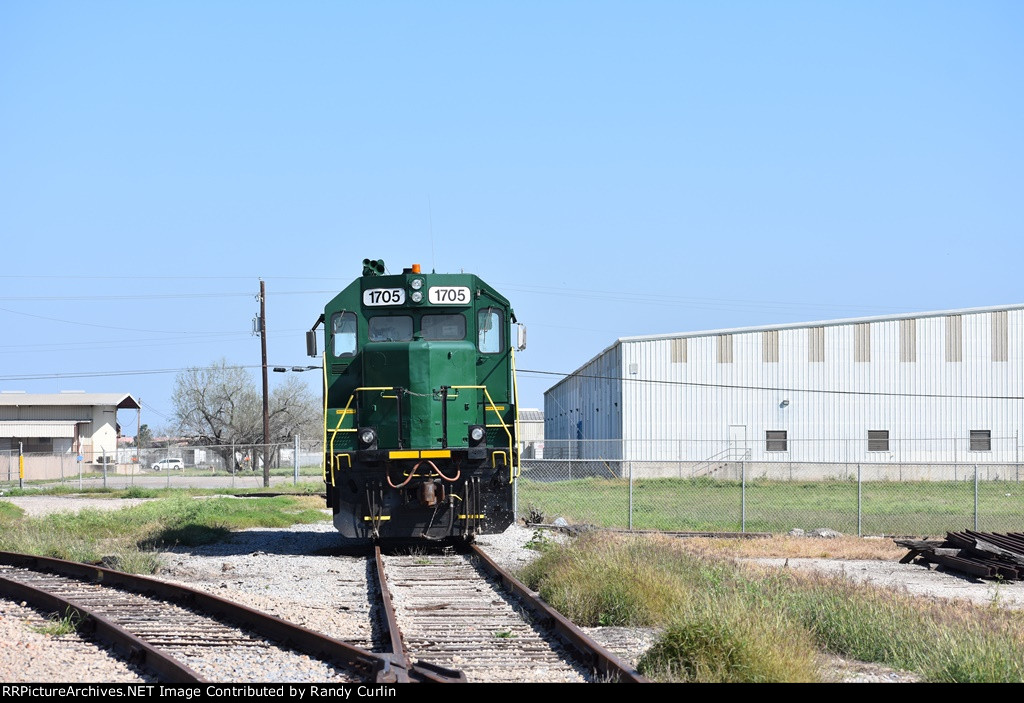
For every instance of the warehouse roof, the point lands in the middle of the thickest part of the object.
(820, 323)
(122, 401)
(792, 325)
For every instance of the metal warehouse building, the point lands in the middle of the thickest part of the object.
(926, 391)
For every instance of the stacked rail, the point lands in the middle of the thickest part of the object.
(980, 554)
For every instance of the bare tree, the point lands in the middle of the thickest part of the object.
(221, 405)
(294, 410)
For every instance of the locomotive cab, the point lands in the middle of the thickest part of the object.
(420, 421)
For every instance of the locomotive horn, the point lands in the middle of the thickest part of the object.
(373, 267)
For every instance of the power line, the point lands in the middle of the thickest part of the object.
(694, 384)
(154, 296)
(785, 389)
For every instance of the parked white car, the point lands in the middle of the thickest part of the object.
(169, 464)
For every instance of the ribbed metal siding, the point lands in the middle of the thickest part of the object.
(923, 403)
(588, 404)
(46, 412)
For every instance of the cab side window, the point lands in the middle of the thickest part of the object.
(489, 326)
(343, 331)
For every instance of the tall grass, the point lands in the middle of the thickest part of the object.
(725, 622)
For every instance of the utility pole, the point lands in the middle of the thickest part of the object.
(266, 402)
(138, 437)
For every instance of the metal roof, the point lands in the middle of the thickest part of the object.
(789, 325)
(122, 401)
(822, 323)
(531, 415)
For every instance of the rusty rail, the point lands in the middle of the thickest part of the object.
(600, 658)
(371, 666)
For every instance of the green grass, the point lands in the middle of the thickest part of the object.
(702, 504)
(722, 622)
(129, 538)
(58, 625)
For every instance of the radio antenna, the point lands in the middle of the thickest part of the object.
(430, 214)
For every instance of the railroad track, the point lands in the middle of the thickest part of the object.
(444, 617)
(462, 614)
(181, 635)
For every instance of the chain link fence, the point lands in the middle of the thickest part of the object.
(598, 483)
(740, 490)
(207, 466)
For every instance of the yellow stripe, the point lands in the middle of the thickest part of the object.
(476, 517)
(345, 412)
(410, 454)
(496, 408)
(367, 518)
(436, 454)
(417, 454)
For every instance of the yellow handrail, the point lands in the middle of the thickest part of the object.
(342, 414)
(323, 363)
(515, 399)
(494, 408)
(514, 467)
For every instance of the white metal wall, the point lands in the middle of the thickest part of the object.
(695, 405)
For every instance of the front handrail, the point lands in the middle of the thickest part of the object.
(515, 399)
(514, 466)
(342, 414)
(494, 408)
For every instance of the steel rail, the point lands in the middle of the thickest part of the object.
(601, 659)
(133, 649)
(375, 667)
(399, 658)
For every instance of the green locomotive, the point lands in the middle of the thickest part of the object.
(420, 419)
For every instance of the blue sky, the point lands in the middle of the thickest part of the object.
(615, 168)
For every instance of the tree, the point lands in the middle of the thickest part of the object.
(145, 437)
(221, 405)
(294, 411)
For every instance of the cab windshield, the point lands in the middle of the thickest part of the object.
(390, 328)
(443, 327)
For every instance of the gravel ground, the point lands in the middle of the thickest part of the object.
(286, 571)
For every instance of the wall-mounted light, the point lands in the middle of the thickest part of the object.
(784, 403)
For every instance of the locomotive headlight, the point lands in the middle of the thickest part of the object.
(476, 434)
(416, 283)
(417, 295)
(367, 438)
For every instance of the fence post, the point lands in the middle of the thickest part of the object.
(232, 468)
(631, 495)
(743, 495)
(860, 499)
(104, 468)
(975, 497)
(21, 466)
(295, 457)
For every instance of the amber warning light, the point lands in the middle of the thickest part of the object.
(415, 268)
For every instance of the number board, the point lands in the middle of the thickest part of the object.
(373, 297)
(448, 295)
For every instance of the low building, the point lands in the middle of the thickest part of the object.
(52, 430)
(531, 433)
